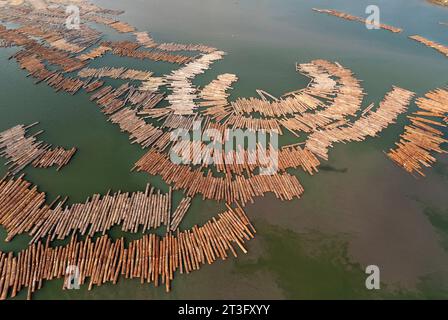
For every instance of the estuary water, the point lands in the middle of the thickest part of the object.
(359, 210)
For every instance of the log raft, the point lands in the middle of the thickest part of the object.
(423, 136)
(350, 17)
(394, 103)
(22, 150)
(237, 189)
(152, 259)
(23, 210)
(431, 44)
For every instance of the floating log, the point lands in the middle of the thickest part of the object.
(350, 17)
(245, 160)
(185, 47)
(394, 103)
(180, 212)
(239, 189)
(129, 49)
(21, 150)
(23, 210)
(139, 131)
(145, 39)
(151, 259)
(420, 139)
(215, 93)
(179, 81)
(94, 53)
(58, 156)
(431, 44)
(122, 27)
(115, 73)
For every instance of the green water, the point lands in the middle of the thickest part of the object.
(360, 210)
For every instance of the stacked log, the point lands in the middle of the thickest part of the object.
(50, 27)
(55, 56)
(179, 214)
(144, 100)
(129, 49)
(57, 157)
(237, 189)
(151, 259)
(145, 40)
(122, 27)
(295, 103)
(115, 73)
(13, 37)
(395, 103)
(185, 47)
(420, 139)
(91, 86)
(139, 131)
(152, 84)
(24, 210)
(215, 93)
(431, 44)
(179, 81)
(176, 121)
(59, 82)
(64, 45)
(350, 17)
(245, 160)
(238, 121)
(21, 150)
(94, 53)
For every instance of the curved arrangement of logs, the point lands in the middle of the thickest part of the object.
(179, 81)
(393, 104)
(413, 151)
(328, 110)
(240, 189)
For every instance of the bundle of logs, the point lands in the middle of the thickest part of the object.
(369, 125)
(24, 210)
(139, 131)
(151, 259)
(179, 214)
(413, 151)
(54, 56)
(431, 44)
(94, 53)
(58, 156)
(240, 160)
(109, 99)
(130, 49)
(145, 39)
(122, 27)
(21, 150)
(185, 47)
(215, 94)
(237, 189)
(350, 17)
(54, 79)
(115, 73)
(179, 81)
